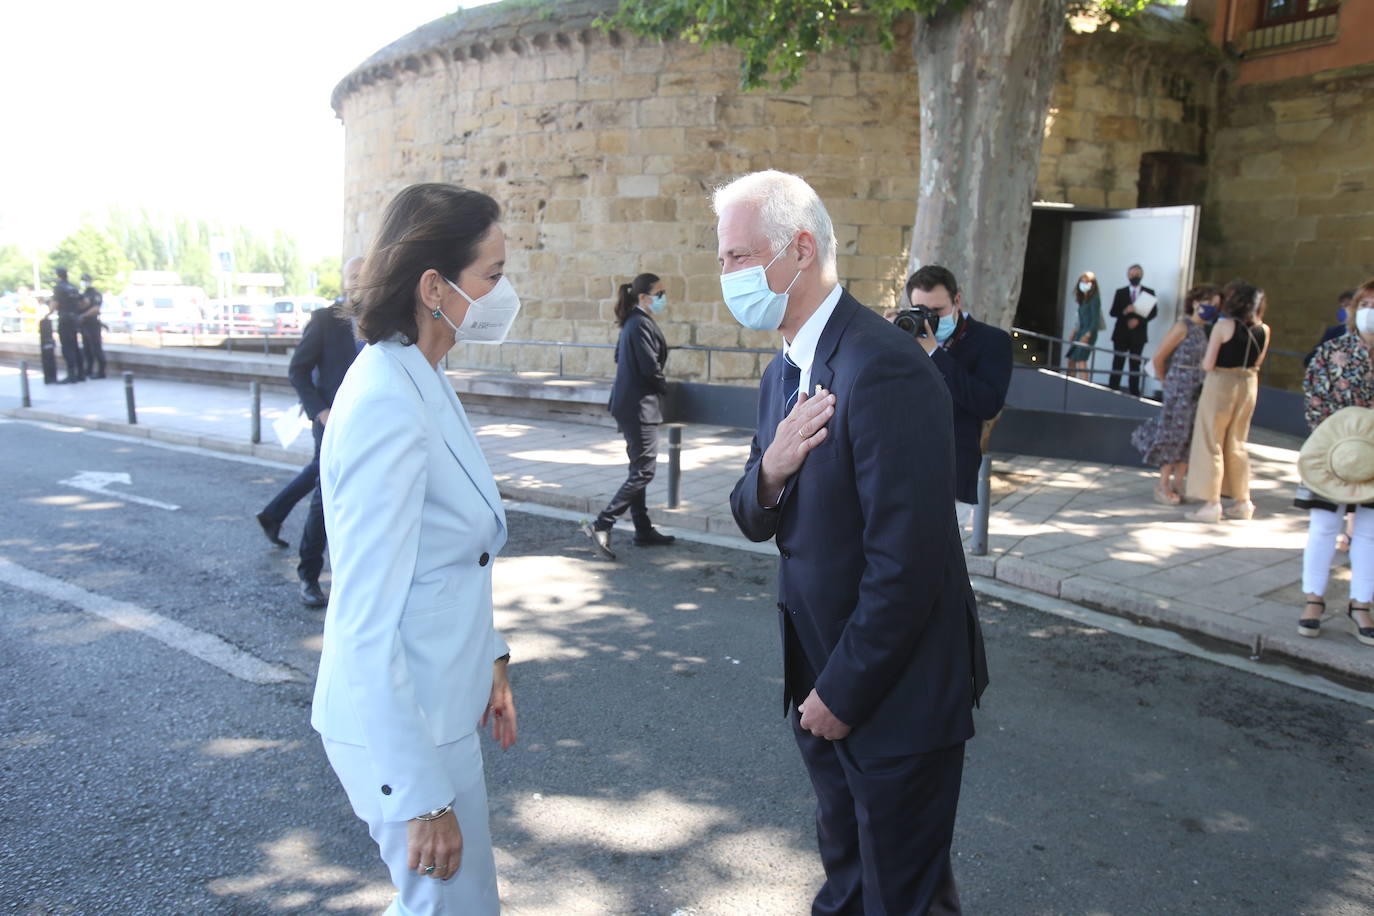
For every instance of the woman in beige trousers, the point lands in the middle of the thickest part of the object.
(1217, 461)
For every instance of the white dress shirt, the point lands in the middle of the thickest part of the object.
(802, 349)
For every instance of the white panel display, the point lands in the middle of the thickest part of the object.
(1161, 240)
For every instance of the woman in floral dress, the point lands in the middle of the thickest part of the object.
(1164, 439)
(1341, 374)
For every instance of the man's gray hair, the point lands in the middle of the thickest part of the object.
(787, 205)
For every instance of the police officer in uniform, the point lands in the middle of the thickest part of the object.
(92, 349)
(70, 305)
(46, 347)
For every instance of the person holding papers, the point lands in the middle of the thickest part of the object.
(1134, 306)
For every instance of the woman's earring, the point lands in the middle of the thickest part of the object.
(436, 313)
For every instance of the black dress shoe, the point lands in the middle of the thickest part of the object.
(653, 538)
(272, 528)
(600, 539)
(312, 595)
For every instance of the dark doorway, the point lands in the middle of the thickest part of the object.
(1171, 180)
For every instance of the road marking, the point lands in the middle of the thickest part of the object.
(100, 481)
(204, 646)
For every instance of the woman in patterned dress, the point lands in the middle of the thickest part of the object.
(1341, 374)
(1164, 439)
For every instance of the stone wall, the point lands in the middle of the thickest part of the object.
(603, 150)
(1291, 200)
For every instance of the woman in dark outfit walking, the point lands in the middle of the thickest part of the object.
(640, 355)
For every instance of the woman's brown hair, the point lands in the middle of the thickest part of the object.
(1203, 292)
(1241, 301)
(426, 226)
(627, 297)
(1364, 292)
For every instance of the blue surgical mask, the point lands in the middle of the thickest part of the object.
(945, 327)
(751, 300)
(1208, 312)
(659, 302)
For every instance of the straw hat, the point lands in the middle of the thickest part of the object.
(1337, 460)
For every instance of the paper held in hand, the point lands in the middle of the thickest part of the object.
(290, 425)
(1145, 303)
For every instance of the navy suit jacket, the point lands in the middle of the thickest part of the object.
(1123, 335)
(875, 604)
(319, 364)
(977, 368)
(640, 355)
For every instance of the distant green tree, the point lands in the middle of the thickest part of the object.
(90, 250)
(16, 268)
(328, 277)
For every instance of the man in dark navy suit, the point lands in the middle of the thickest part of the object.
(1132, 328)
(328, 347)
(975, 360)
(851, 472)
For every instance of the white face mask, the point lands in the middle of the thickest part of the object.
(1364, 321)
(1086, 287)
(489, 317)
(751, 300)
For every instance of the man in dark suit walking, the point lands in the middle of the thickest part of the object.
(851, 472)
(328, 347)
(1131, 329)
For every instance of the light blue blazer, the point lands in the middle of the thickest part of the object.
(415, 523)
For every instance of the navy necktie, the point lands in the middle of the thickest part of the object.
(791, 383)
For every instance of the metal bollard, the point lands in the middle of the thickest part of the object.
(979, 547)
(256, 389)
(674, 465)
(24, 399)
(129, 398)
(265, 351)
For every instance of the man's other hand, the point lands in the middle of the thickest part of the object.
(928, 342)
(817, 718)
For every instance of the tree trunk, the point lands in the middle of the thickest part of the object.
(985, 74)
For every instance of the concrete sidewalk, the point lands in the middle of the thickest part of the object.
(1086, 533)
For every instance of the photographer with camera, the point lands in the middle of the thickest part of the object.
(973, 357)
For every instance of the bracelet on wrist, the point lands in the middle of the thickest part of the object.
(436, 813)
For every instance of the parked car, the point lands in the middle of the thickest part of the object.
(293, 311)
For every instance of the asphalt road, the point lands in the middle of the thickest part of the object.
(170, 768)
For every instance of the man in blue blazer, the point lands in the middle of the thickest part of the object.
(851, 472)
(328, 347)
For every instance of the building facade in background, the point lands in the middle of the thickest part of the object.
(603, 149)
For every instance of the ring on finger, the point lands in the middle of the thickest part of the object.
(429, 869)
(802, 433)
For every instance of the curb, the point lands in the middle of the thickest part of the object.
(1256, 640)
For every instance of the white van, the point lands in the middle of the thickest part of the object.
(169, 308)
(294, 311)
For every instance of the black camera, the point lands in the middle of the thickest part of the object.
(913, 320)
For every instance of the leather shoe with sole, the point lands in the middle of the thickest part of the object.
(653, 538)
(312, 595)
(271, 528)
(601, 540)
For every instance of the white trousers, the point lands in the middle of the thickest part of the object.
(1322, 527)
(473, 889)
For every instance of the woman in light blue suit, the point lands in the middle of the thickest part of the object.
(412, 666)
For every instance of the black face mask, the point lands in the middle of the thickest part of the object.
(1135, 281)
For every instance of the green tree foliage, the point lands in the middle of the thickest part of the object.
(16, 268)
(780, 37)
(176, 242)
(90, 250)
(328, 277)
